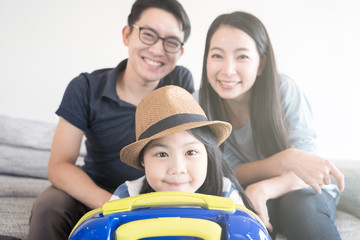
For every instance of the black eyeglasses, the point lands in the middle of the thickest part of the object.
(150, 37)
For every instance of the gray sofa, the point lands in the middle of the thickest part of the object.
(24, 151)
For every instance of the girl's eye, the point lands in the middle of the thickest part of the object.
(162, 154)
(190, 153)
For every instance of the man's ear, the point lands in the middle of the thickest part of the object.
(126, 35)
(181, 51)
(262, 65)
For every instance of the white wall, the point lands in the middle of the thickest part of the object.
(44, 44)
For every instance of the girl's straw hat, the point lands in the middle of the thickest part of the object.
(165, 111)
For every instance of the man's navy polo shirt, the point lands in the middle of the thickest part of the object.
(90, 102)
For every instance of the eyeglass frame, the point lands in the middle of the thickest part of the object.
(158, 37)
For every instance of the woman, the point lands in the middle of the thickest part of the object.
(101, 105)
(273, 141)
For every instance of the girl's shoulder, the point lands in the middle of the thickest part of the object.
(128, 189)
(230, 191)
(227, 184)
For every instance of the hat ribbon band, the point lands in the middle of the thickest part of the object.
(170, 122)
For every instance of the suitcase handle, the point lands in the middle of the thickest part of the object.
(169, 199)
(172, 226)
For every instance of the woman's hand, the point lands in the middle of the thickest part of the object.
(258, 196)
(259, 193)
(313, 170)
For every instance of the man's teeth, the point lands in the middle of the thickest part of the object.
(156, 64)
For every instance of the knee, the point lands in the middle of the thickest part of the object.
(306, 203)
(298, 200)
(304, 214)
(49, 204)
(52, 215)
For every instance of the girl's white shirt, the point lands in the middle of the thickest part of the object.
(133, 188)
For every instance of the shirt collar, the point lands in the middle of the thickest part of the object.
(109, 89)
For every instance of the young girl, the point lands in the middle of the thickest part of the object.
(177, 147)
(273, 139)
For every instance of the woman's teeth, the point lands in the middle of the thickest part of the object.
(228, 83)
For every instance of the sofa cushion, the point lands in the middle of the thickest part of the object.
(25, 147)
(350, 198)
(22, 161)
(26, 133)
(14, 220)
(28, 162)
(348, 225)
(22, 186)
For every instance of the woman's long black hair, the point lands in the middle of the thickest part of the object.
(217, 168)
(266, 112)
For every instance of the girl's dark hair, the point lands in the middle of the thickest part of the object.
(266, 112)
(171, 6)
(217, 168)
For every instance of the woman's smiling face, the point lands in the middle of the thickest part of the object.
(233, 62)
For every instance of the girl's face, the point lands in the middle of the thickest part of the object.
(233, 63)
(176, 162)
(151, 62)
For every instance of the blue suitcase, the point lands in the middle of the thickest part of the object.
(170, 215)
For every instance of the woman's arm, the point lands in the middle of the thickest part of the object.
(313, 170)
(65, 175)
(272, 188)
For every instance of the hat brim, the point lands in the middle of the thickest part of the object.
(130, 153)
